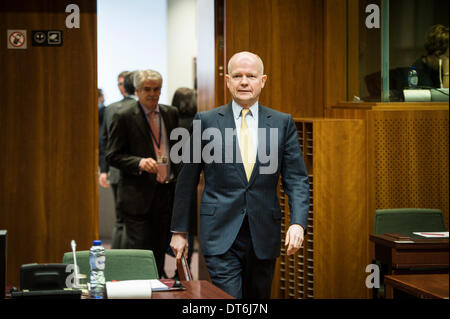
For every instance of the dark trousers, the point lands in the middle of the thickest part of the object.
(151, 230)
(119, 239)
(239, 272)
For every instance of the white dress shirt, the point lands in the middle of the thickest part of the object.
(252, 123)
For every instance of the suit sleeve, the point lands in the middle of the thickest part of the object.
(295, 177)
(117, 154)
(104, 167)
(187, 182)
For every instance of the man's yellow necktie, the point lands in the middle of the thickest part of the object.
(246, 145)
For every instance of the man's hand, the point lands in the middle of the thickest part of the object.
(149, 165)
(294, 238)
(103, 180)
(179, 245)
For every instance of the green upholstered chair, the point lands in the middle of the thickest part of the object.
(120, 264)
(404, 221)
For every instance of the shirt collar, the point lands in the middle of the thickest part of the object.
(147, 111)
(237, 110)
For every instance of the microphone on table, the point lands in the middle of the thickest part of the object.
(74, 245)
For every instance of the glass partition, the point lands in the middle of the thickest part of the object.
(411, 33)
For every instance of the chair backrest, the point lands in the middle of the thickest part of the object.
(407, 220)
(120, 264)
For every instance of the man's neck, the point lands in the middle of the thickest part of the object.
(246, 105)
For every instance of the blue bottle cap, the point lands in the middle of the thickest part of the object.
(97, 243)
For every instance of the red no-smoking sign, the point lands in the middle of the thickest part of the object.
(17, 39)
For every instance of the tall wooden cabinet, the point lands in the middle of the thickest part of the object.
(335, 252)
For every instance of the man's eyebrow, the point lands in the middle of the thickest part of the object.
(246, 73)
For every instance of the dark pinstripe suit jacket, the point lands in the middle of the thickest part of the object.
(130, 141)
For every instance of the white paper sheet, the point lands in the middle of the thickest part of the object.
(158, 285)
(435, 234)
(133, 289)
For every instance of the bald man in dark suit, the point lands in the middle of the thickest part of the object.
(240, 216)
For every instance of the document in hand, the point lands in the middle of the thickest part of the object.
(133, 289)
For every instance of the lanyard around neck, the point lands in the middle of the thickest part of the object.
(157, 142)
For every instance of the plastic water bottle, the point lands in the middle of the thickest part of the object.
(97, 263)
(413, 78)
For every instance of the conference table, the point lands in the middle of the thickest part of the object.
(408, 255)
(403, 255)
(424, 286)
(195, 289)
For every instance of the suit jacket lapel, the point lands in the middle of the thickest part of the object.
(167, 122)
(144, 127)
(226, 120)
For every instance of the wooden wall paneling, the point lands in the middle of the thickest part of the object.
(236, 34)
(48, 135)
(360, 111)
(407, 149)
(370, 173)
(335, 52)
(349, 110)
(340, 243)
(237, 25)
(206, 67)
(410, 162)
(288, 36)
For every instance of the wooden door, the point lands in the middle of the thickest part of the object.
(48, 134)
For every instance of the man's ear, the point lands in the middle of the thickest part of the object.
(227, 79)
(263, 79)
